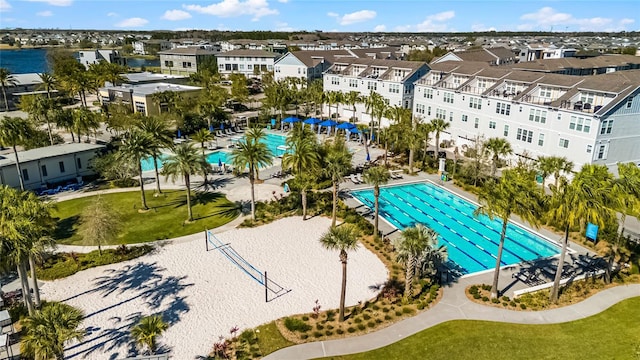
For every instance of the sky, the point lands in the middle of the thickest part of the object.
(325, 15)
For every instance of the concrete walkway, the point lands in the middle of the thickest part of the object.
(455, 306)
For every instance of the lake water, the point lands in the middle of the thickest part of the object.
(24, 61)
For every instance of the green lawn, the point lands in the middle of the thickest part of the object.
(165, 220)
(613, 334)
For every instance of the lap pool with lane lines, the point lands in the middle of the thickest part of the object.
(472, 242)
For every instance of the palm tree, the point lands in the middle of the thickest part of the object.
(352, 98)
(202, 136)
(497, 147)
(545, 168)
(424, 131)
(15, 131)
(342, 238)
(39, 108)
(336, 165)
(256, 134)
(377, 107)
(514, 193)
(63, 118)
(251, 153)
(47, 331)
(376, 176)
(85, 121)
(334, 97)
(561, 166)
(302, 159)
(148, 329)
(6, 80)
(438, 126)
(410, 246)
(48, 83)
(161, 137)
(137, 145)
(586, 199)
(185, 161)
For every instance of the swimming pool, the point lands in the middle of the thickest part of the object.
(212, 158)
(472, 242)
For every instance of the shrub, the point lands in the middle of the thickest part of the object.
(328, 333)
(330, 327)
(485, 299)
(340, 331)
(351, 329)
(385, 309)
(357, 320)
(375, 307)
(420, 306)
(407, 310)
(366, 316)
(317, 334)
(486, 287)
(293, 324)
(388, 317)
(506, 298)
(398, 313)
(473, 290)
(361, 327)
(371, 324)
(305, 318)
(505, 304)
(495, 300)
(476, 296)
(319, 327)
(523, 306)
(304, 336)
(512, 304)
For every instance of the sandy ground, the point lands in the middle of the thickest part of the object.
(263, 192)
(203, 295)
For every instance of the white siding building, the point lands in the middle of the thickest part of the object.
(88, 57)
(393, 79)
(588, 119)
(247, 62)
(308, 65)
(48, 165)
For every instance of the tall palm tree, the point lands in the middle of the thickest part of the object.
(6, 80)
(48, 83)
(85, 121)
(410, 246)
(437, 127)
(342, 238)
(377, 108)
(256, 134)
(586, 199)
(161, 136)
(334, 97)
(545, 168)
(47, 331)
(63, 118)
(302, 159)
(514, 193)
(148, 329)
(137, 145)
(336, 165)
(202, 136)
(424, 131)
(352, 98)
(251, 153)
(561, 167)
(376, 176)
(184, 162)
(15, 131)
(497, 147)
(40, 109)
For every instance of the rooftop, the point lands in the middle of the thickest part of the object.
(249, 52)
(147, 77)
(152, 88)
(47, 152)
(187, 51)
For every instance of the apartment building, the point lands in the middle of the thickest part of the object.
(393, 79)
(539, 52)
(88, 57)
(141, 96)
(184, 61)
(308, 65)
(151, 47)
(492, 56)
(251, 63)
(588, 119)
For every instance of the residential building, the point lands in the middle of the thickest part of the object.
(148, 77)
(588, 119)
(184, 61)
(88, 57)
(574, 66)
(49, 165)
(151, 47)
(141, 97)
(393, 79)
(247, 62)
(308, 65)
(491, 56)
(26, 84)
(539, 52)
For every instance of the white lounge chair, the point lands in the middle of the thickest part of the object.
(354, 179)
(359, 177)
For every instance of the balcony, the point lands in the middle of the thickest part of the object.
(580, 106)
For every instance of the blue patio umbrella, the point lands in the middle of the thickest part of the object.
(219, 162)
(179, 134)
(273, 124)
(211, 128)
(221, 126)
(368, 157)
(291, 119)
(328, 123)
(345, 126)
(354, 130)
(312, 122)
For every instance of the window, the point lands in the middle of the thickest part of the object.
(503, 108)
(589, 149)
(539, 116)
(580, 124)
(335, 80)
(451, 116)
(545, 92)
(629, 101)
(492, 124)
(587, 98)
(394, 88)
(372, 85)
(250, 67)
(61, 164)
(140, 107)
(540, 139)
(79, 163)
(564, 143)
(186, 64)
(420, 108)
(602, 152)
(482, 83)
(476, 123)
(475, 103)
(524, 135)
(506, 130)
(353, 83)
(25, 175)
(168, 63)
(428, 93)
(429, 110)
(44, 170)
(441, 114)
(242, 67)
(607, 125)
(448, 97)
(465, 118)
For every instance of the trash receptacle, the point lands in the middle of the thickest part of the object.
(268, 127)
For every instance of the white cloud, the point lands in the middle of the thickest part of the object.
(4, 5)
(283, 26)
(55, 2)
(380, 28)
(435, 23)
(283, 1)
(175, 15)
(402, 28)
(332, 14)
(482, 28)
(132, 22)
(232, 8)
(45, 13)
(112, 14)
(355, 17)
(547, 18)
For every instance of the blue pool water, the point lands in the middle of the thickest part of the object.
(472, 242)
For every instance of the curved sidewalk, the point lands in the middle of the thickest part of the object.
(455, 306)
